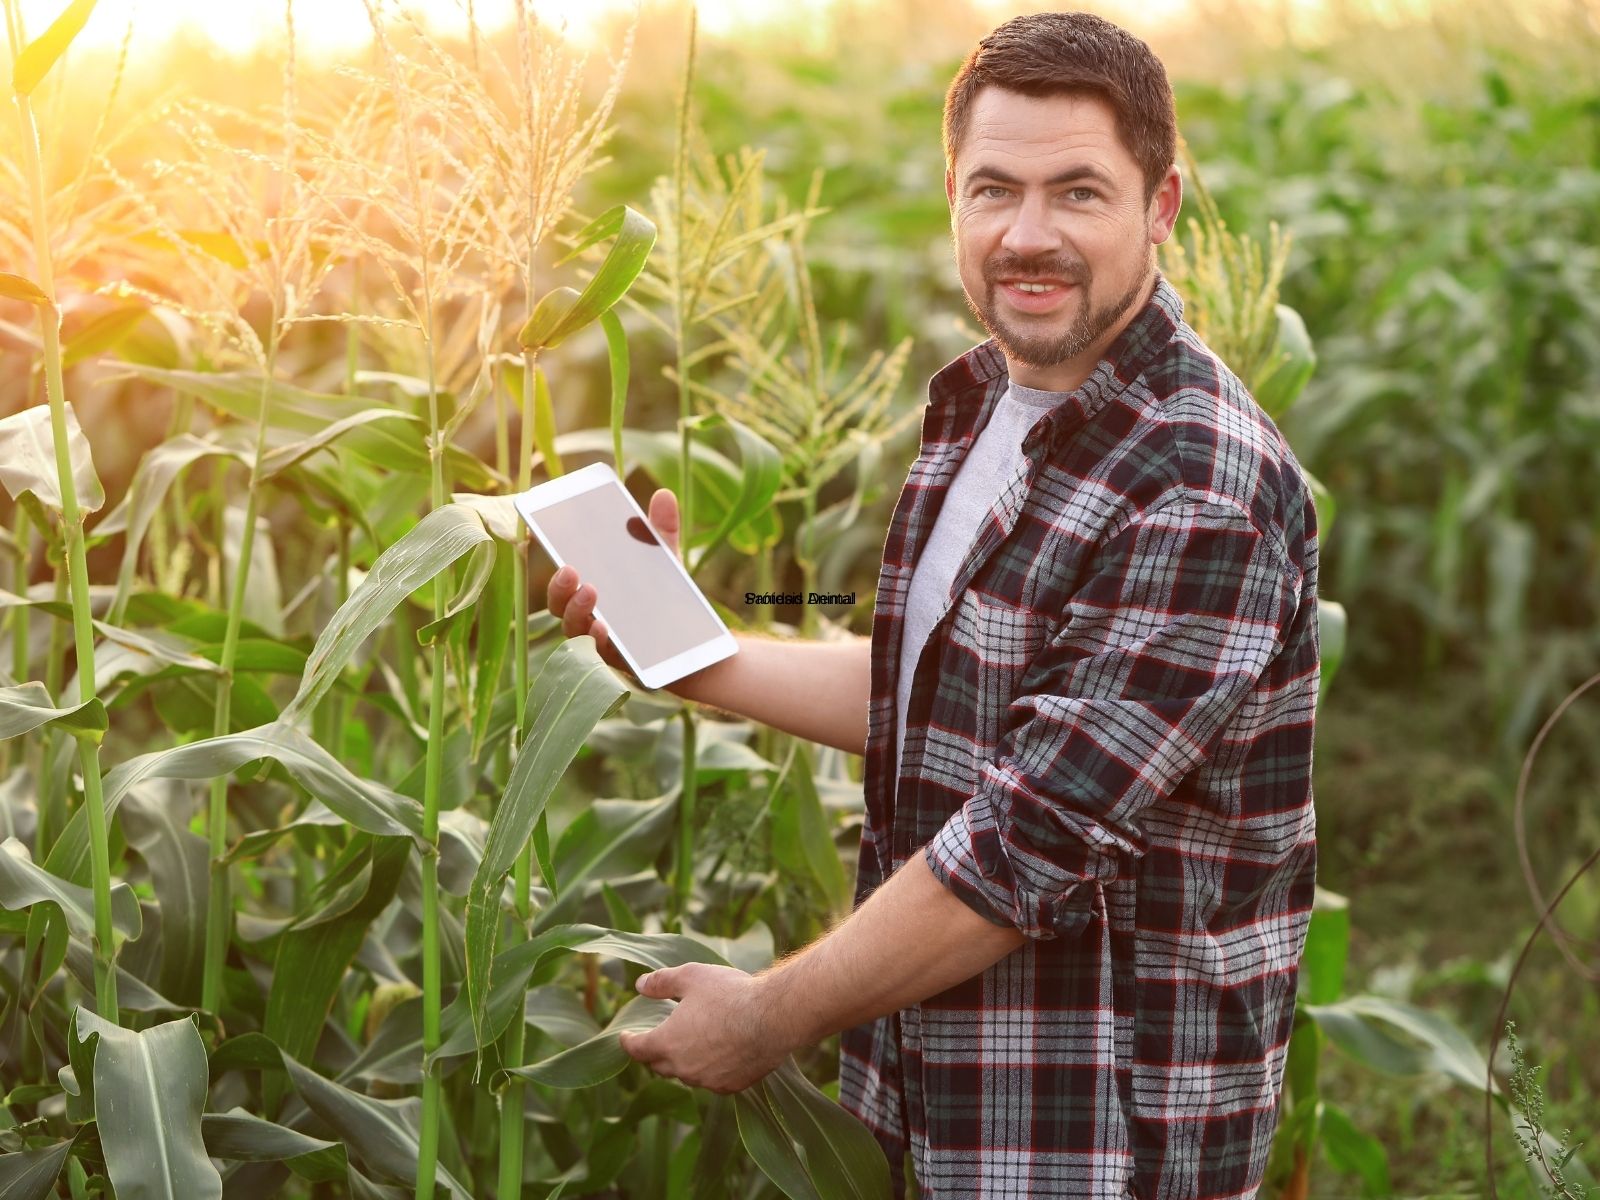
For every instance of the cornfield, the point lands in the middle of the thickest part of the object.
(328, 865)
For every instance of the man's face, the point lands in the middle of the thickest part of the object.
(1052, 231)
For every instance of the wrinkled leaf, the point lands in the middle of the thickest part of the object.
(28, 460)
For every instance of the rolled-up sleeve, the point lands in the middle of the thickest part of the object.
(1176, 619)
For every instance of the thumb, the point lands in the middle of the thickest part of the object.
(665, 984)
(664, 517)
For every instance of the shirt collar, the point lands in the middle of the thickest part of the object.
(1124, 361)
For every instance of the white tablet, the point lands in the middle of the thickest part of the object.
(659, 621)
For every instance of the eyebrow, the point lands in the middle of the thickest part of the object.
(1070, 175)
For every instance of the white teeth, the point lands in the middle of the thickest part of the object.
(1034, 287)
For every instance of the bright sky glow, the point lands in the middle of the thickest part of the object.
(337, 27)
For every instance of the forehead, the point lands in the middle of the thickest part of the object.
(1037, 135)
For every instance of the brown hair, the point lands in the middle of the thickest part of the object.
(1053, 53)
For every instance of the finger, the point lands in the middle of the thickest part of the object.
(641, 1047)
(580, 612)
(602, 644)
(664, 517)
(666, 984)
(610, 654)
(558, 594)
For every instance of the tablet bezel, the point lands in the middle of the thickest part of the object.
(600, 475)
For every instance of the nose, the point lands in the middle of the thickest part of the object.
(1030, 231)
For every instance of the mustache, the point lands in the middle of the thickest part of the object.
(1014, 266)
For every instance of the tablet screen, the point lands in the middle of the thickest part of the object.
(646, 603)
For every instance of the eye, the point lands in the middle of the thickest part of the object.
(1083, 193)
(992, 191)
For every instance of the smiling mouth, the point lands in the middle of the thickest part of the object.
(1035, 297)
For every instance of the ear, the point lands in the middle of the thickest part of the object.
(1164, 205)
(950, 187)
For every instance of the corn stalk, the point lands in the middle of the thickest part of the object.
(44, 53)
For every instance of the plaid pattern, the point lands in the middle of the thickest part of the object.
(1108, 746)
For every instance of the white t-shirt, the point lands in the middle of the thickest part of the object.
(992, 461)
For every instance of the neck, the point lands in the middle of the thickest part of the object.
(1069, 376)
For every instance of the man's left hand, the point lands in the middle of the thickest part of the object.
(721, 1036)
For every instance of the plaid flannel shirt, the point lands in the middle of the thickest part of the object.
(1108, 747)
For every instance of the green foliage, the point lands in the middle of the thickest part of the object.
(1551, 1162)
(1443, 258)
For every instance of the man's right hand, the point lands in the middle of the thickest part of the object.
(815, 690)
(574, 601)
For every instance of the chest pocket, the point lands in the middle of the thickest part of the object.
(991, 645)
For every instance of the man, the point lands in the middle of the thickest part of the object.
(1086, 706)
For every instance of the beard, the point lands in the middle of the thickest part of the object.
(1040, 349)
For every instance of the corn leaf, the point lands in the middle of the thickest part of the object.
(434, 543)
(842, 1158)
(149, 1094)
(1400, 1039)
(495, 627)
(315, 953)
(154, 477)
(15, 287)
(28, 460)
(544, 424)
(23, 883)
(156, 821)
(101, 333)
(561, 313)
(602, 1056)
(31, 1174)
(1331, 632)
(240, 1135)
(608, 840)
(296, 410)
(802, 841)
(404, 448)
(618, 361)
(760, 473)
(27, 706)
(573, 690)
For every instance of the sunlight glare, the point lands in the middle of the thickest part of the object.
(332, 28)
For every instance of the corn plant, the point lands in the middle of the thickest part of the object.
(31, 62)
(318, 1031)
